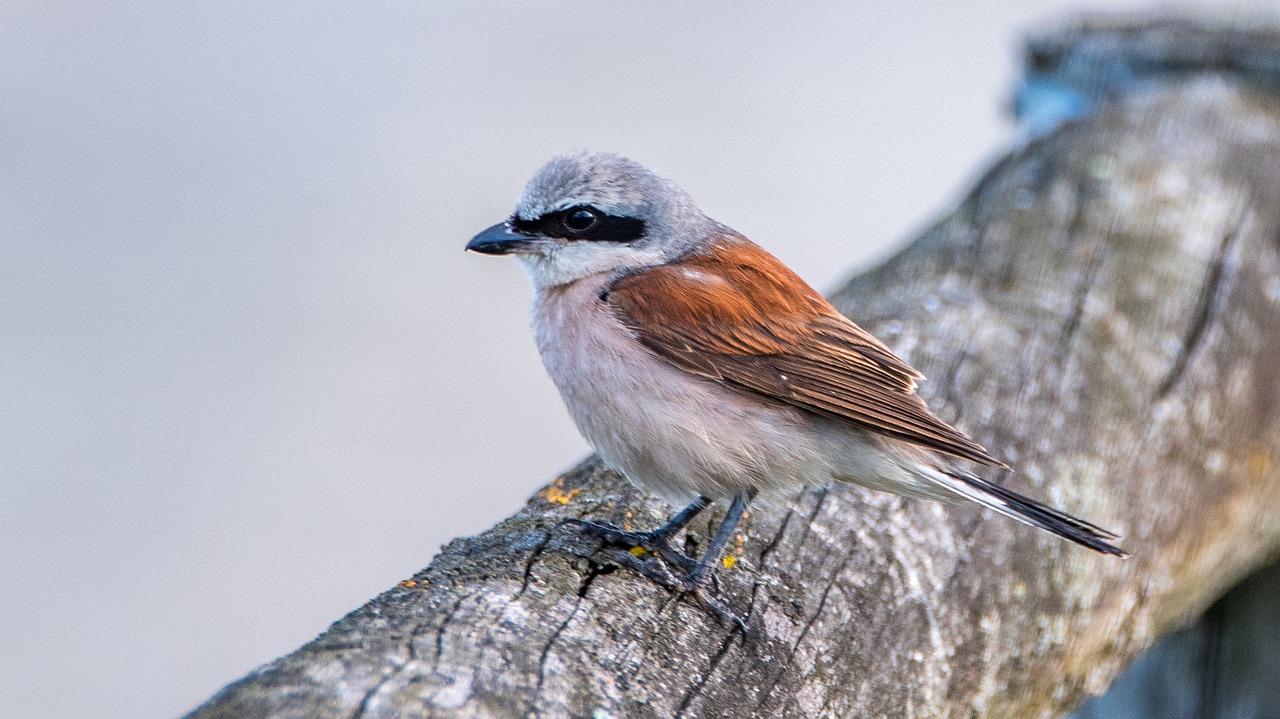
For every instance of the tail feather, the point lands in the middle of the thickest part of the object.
(1028, 511)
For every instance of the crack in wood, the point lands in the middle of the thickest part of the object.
(397, 670)
(697, 687)
(1207, 305)
(595, 570)
(444, 625)
(1075, 228)
(528, 567)
(777, 536)
(822, 493)
(951, 394)
(804, 632)
(367, 699)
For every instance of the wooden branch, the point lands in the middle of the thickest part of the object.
(1103, 311)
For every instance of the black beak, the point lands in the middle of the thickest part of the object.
(499, 240)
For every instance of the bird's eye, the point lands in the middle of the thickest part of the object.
(580, 219)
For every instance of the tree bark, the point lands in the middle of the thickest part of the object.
(1103, 311)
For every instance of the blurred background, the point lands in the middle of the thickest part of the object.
(248, 377)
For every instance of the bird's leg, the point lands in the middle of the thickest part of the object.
(696, 582)
(656, 541)
(699, 574)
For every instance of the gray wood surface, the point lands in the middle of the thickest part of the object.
(1103, 312)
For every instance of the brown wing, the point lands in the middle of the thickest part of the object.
(736, 314)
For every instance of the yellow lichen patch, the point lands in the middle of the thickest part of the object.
(1259, 462)
(731, 557)
(555, 492)
(636, 550)
(408, 583)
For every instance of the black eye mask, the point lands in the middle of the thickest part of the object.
(582, 223)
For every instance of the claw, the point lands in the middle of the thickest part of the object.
(656, 542)
(700, 591)
(675, 571)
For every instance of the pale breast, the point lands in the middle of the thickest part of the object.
(671, 432)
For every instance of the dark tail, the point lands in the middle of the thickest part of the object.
(1028, 511)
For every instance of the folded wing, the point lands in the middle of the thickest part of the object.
(735, 314)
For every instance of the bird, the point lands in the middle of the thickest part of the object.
(703, 369)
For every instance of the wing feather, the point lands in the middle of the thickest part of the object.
(735, 314)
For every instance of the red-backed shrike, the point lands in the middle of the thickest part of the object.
(702, 368)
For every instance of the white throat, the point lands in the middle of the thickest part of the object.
(572, 261)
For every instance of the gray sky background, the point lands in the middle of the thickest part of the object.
(248, 377)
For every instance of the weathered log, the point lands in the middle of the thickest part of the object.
(1103, 311)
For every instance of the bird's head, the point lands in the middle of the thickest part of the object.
(588, 213)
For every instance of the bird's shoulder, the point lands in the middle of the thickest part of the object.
(734, 298)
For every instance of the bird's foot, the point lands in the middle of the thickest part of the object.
(718, 609)
(674, 570)
(638, 544)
